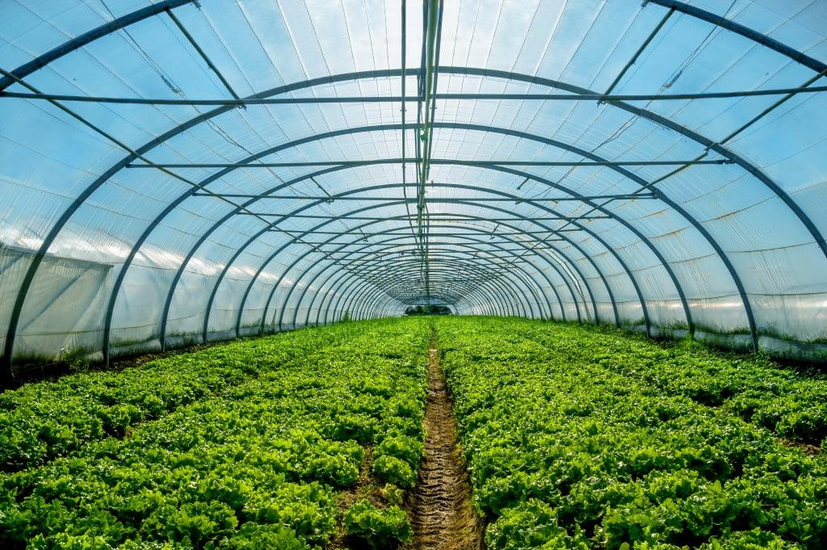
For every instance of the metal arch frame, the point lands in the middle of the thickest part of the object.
(386, 310)
(499, 303)
(520, 173)
(485, 302)
(487, 307)
(644, 184)
(472, 300)
(341, 278)
(399, 237)
(337, 289)
(337, 284)
(366, 265)
(138, 15)
(252, 239)
(278, 251)
(162, 5)
(346, 284)
(671, 125)
(620, 220)
(360, 283)
(471, 293)
(371, 299)
(522, 135)
(90, 36)
(495, 296)
(638, 180)
(491, 191)
(373, 307)
(744, 31)
(576, 245)
(475, 302)
(395, 249)
(341, 285)
(293, 241)
(480, 295)
(471, 236)
(504, 288)
(291, 182)
(280, 147)
(377, 307)
(573, 243)
(390, 203)
(213, 177)
(470, 203)
(476, 271)
(513, 133)
(6, 359)
(320, 172)
(482, 266)
(340, 282)
(588, 258)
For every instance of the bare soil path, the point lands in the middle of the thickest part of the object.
(443, 516)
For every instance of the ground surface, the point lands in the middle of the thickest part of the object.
(443, 514)
(365, 435)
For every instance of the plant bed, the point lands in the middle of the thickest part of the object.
(571, 444)
(258, 460)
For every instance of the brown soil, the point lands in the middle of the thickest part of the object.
(806, 448)
(442, 514)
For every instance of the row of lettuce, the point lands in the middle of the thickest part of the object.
(40, 422)
(755, 388)
(297, 440)
(583, 437)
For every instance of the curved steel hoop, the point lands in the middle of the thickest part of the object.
(157, 8)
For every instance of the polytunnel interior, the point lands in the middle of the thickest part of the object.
(181, 171)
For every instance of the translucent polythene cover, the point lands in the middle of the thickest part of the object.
(137, 225)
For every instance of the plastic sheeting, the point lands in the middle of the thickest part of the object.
(98, 254)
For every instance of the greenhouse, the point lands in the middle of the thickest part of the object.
(420, 274)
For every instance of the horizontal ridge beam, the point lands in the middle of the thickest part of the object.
(509, 162)
(398, 98)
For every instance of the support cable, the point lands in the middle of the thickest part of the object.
(203, 55)
(639, 51)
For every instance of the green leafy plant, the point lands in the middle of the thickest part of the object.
(379, 528)
(581, 436)
(241, 445)
(395, 470)
(77, 359)
(404, 448)
(392, 494)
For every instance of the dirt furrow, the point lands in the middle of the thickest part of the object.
(443, 516)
